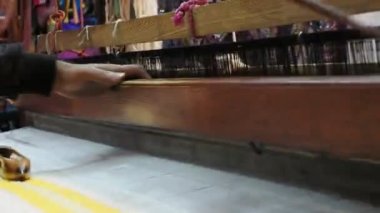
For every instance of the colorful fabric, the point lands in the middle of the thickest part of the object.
(186, 7)
(39, 2)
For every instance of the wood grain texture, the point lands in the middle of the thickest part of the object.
(227, 16)
(336, 116)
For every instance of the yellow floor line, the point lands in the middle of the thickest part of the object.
(34, 198)
(73, 196)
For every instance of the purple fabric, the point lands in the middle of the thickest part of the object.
(76, 54)
(65, 55)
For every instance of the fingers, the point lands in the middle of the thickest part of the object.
(109, 75)
(135, 72)
(112, 67)
(103, 77)
(10, 101)
(132, 71)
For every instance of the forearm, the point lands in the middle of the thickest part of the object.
(22, 73)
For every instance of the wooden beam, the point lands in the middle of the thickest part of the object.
(335, 116)
(227, 16)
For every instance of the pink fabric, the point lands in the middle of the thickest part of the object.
(185, 7)
(39, 2)
(71, 54)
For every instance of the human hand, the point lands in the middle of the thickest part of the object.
(82, 80)
(10, 101)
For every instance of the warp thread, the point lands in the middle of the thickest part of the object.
(85, 34)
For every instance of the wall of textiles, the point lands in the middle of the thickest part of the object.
(13, 26)
(66, 15)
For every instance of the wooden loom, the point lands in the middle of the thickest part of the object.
(337, 116)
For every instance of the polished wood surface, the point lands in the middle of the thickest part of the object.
(227, 16)
(335, 116)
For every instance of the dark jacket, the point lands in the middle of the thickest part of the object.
(25, 73)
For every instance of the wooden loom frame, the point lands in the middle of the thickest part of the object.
(330, 115)
(227, 16)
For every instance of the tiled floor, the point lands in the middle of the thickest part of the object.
(135, 182)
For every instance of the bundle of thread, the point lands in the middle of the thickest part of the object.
(185, 7)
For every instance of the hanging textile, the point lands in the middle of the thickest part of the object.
(131, 9)
(39, 2)
(9, 26)
(43, 10)
(166, 6)
(79, 13)
(12, 29)
(125, 9)
(118, 9)
(27, 26)
(143, 9)
(114, 12)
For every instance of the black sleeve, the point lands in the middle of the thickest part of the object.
(22, 73)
